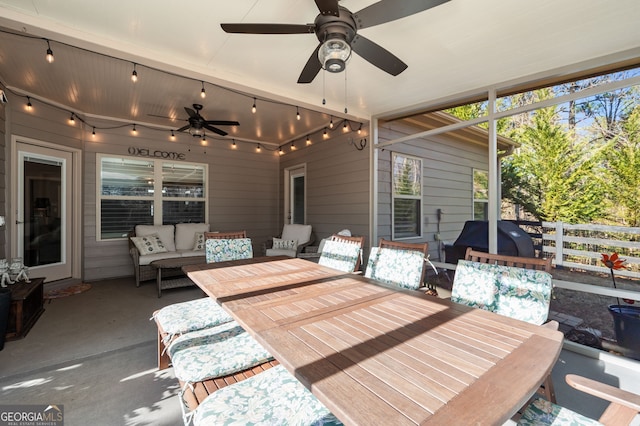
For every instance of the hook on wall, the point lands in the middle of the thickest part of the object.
(359, 145)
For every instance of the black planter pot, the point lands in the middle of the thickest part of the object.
(626, 321)
(5, 305)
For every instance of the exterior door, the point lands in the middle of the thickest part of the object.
(43, 211)
(295, 195)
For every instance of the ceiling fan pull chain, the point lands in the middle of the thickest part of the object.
(324, 99)
(345, 92)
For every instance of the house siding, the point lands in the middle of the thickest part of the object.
(447, 171)
(337, 182)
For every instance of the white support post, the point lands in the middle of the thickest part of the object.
(559, 243)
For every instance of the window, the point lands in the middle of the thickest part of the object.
(480, 195)
(407, 196)
(132, 191)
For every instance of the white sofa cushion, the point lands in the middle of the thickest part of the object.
(148, 258)
(165, 232)
(300, 233)
(280, 252)
(186, 234)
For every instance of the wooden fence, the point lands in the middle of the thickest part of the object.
(581, 246)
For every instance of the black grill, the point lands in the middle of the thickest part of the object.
(512, 240)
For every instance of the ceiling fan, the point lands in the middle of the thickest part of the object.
(337, 30)
(197, 123)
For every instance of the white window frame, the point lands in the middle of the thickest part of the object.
(157, 190)
(473, 193)
(395, 196)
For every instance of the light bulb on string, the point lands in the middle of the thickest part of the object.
(233, 144)
(134, 74)
(344, 126)
(258, 148)
(280, 151)
(253, 108)
(331, 123)
(203, 93)
(134, 131)
(173, 136)
(93, 132)
(72, 120)
(325, 134)
(308, 140)
(297, 114)
(49, 53)
(293, 146)
(29, 106)
(360, 129)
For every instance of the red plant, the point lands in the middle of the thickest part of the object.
(614, 262)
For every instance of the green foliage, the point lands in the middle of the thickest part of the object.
(551, 176)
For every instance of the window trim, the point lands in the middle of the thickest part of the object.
(407, 197)
(475, 200)
(157, 198)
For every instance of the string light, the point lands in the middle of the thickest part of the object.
(293, 146)
(49, 53)
(280, 151)
(203, 93)
(331, 123)
(344, 126)
(71, 119)
(258, 148)
(233, 144)
(135, 132)
(173, 136)
(360, 129)
(253, 108)
(308, 140)
(93, 132)
(325, 134)
(29, 106)
(297, 114)
(134, 74)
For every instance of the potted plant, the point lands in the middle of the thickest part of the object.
(626, 318)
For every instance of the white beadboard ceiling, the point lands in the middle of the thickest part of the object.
(458, 47)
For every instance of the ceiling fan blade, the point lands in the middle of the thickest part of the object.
(191, 112)
(311, 68)
(222, 123)
(215, 130)
(390, 10)
(377, 55)
(269, 28)
(328, 7)
(183, 128)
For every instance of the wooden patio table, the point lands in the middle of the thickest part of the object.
(374, 354)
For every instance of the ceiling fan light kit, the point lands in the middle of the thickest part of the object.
(336, 27)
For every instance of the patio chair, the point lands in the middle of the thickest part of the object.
(271, 397)
(224, 249)
(397, 263)
(623, 408)
(342, 252)
(293, 239)
(517, 287)
(180, 318)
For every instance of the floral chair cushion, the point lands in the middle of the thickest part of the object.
(402, 268)
(475, 285)
(193, 315)
(524, 294)
(541, 412)
(215, 352)
(273, 397)
(340, 255)
(220, 250)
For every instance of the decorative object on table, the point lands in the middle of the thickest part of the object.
(18, 271)
(626, 318)
(4, 272)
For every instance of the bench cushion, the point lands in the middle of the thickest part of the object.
(215, 352)
(185, 317)
(340, 255)
(273, 397)
(402, 268)
(220, 250)
(541, 412)
(475, 285)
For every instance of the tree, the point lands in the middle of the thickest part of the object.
(622, 169)
(551, 176)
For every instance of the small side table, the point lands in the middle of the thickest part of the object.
(174, 263)
(27, 304)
